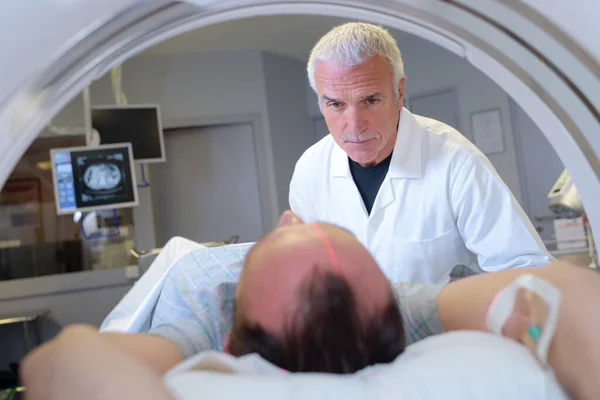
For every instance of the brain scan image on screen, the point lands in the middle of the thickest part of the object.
(94, 178)
(102, 177)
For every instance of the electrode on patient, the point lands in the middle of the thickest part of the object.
(526, 310)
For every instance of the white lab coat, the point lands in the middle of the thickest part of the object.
(441, 204)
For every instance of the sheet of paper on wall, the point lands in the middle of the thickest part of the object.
(487, 131)
(570, 233)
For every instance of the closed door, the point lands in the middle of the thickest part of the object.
(208, 190)
(441, 106)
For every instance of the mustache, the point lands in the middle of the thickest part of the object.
(359, 137)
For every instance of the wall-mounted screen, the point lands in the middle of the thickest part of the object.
(139, 125)
(94, 178)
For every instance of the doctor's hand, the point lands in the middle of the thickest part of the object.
(82, 364)
(289, 218)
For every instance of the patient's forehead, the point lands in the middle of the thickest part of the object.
(302, 244)
(303, 228)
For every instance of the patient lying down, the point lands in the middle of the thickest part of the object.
(311, 298)
(296, 303)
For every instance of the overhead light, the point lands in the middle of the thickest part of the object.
(44, 165)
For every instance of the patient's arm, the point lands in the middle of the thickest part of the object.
(81, 364)
(575, 351)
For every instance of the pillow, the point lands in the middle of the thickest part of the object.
(455, 365)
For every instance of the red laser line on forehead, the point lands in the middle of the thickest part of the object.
(332, 257)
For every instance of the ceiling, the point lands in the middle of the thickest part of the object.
(287, 35)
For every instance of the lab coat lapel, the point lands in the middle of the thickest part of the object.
(344, 189)
(385, 196)
(406, 160)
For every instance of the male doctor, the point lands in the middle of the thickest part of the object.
(414, 191)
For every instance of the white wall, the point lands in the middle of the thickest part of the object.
(291, 127)
(191, 86)
(430, 68)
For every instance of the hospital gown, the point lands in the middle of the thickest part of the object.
(195, 308)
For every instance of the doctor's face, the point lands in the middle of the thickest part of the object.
(360, 107)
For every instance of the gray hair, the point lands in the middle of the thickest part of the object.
(352, 44)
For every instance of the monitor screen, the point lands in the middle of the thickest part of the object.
(139, 125)
(93, 178)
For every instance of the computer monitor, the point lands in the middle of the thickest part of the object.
(139, 125)
(93, 178)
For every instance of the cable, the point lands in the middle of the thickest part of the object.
(116, 77)
(115, 220)
(12, 394)
(145, 183)
(86, 130)
(117, 231)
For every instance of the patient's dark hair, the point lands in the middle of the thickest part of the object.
(326, 333)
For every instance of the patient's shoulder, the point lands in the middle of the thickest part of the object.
(209, 266)
(418, 306)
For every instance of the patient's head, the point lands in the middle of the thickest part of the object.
(312, 299)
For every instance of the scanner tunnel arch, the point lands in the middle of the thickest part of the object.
(542, 67)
